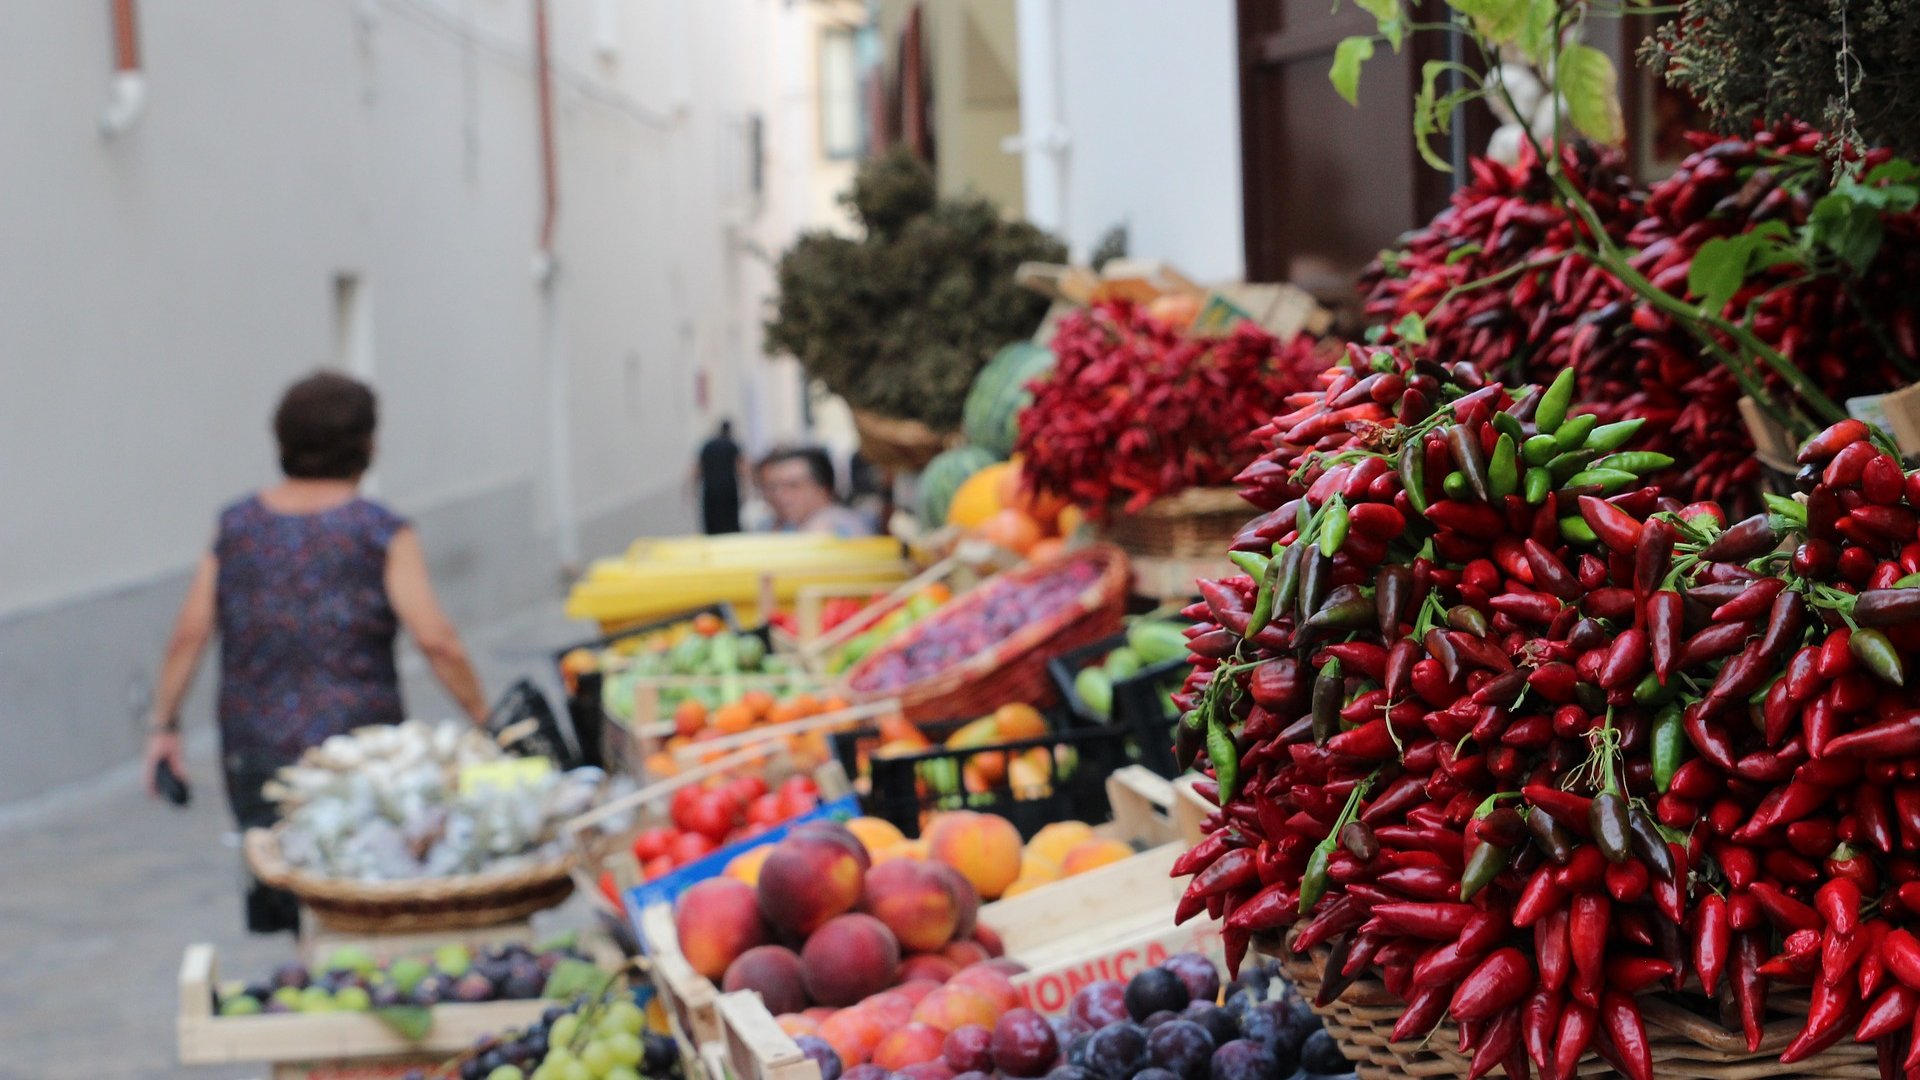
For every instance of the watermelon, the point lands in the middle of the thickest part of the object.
(992, 415)
(943, 476)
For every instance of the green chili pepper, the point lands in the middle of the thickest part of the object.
(1610, 480)
(1638, 462)
(1553, 404)
(1576, 530)
(1226, 761)
(1876, 653)
(1791, 509)
(1262, 612)
(1612, 833)
(1468, 618)
(1613, 436)
(1333, 527)
(1538, 482)
(1669, 746)
(1573, 434)
(1412, 467)
(1483, 866)
(1503, 468)
(1540, 449)
(1649, 690)
(1455, 487)
(1508, 424)
(1328, 691)
(1251, 563)
(1315, 570)
(1313, 882)
(1287, 585)
(1567, 464)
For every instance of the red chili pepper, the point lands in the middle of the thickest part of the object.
(1892, 1010)
(1538, 1022)
(1666, 613)
(1587, 932)
(1437, 922)
(1233, 870)
(1711, 939)
(1707, 737)
(1895, 737)
(1781, 806)
(1827, 1016)
(1749, 987)
(1753, 600)
(1784, 910)
(1838, 902)
(1836, 657)
(1845, 469)
(1613, 526)
(1626, 661)
(1716, 641)
(1620, 1016)
(1576, 1034)
(1832, 440)
(1552, 948)
(1500, 980)
(1424, 1009)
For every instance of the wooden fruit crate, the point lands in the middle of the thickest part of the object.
(687, 996)
(753, 1046)
(326, 1045)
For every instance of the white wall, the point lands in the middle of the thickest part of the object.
(1130, 115)
(161, 289)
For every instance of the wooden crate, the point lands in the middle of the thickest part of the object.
(687, 996)
(753, 1046)
(317, 942)
(318, 1042)
(1190, 811)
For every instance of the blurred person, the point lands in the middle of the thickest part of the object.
(798, 483)
(717, 471)
(307, 585)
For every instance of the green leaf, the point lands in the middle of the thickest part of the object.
(1718, 270)
(1896, 171)
(1499, 21)
(1591, 88)
(1391, 19)
(1433, 112)
(1464, 251)
(1347, 58)
(572, 977)
(411, 1022)
(1847, 225)
(1411, 329)
(1536, 36)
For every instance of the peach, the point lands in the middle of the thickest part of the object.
(927, 1070)
(717, 920)
(988, 982)
(819, 1013)
(984, 848)
(1053, 841)
(918, 903)
(905, 849)
(890, 1006)
(909, 1045)
(853, 1033)
(808, 880)
(746, 865)
(914, 989)
(965, 953)
(797, 1024)
(968, 895)
(989, 939)
(875, 833)
(839, 834)
(954, 1006)
(1093, 853)
(848, 958)
(774, 972)
(928, 967)
(1008, 965)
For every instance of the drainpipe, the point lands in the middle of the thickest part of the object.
(552, 327)
(127, 92)
(549, 193)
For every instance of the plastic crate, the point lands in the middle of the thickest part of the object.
(1137, 706)
(1079, 759)
(723, 610)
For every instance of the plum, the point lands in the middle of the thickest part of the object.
(1154, 990)
(865, 1072)
(1118, 1051)
(1320, 1054)
(1181, 1047)
(1221, 1024)
(1100, 1003)
(822, 1054)
(1068, 1072)
(1198, 973)
(969, 1048)
(1154, 1020)
(1066, 1027)
(1024, 1043)
(974, 1076)
(473, 987)
(1154, 1072)
(660, 1054)
(1076, 1049)
(524, 981)
(294, 975)
(1243, 1059)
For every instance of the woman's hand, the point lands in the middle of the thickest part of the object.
(163, 745)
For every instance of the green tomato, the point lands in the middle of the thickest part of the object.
(1095, 689)
(1122, 663)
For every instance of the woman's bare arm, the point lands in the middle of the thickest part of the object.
(411, 594)
(192, 629)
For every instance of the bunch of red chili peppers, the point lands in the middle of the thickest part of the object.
(1491, 717)
(1136, 409)
(1562, 311)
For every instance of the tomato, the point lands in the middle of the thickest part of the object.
(766, 810)
(608, 889)
(658, 866)
(652, 843)
(794, 802)
(682, 805)
(800, 782)
(713, 815)
(689, 846)
(749, 831)
(745, 789)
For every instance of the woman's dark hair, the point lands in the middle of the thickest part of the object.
(818, 463)
(325, 427)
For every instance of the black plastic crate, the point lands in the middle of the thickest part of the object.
(1079, 759)
(1137, 705)
(653, 626)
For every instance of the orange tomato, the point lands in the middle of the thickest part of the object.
(804, 704)
(1012, 530)
(758, 702)
(689, 716)
(707, 624)
(661, 765)
(732, 719)
(1017, 720)
(784, 713)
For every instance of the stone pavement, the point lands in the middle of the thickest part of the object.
(101, 889)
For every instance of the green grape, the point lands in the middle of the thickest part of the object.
(573, 1070)
(558, 1058)
(543, 1071)
(507, 1072)
(352, 999)
(597, 1057)
(625, 1047)
(563, 1030)
(621, 1072)
(626, 1016)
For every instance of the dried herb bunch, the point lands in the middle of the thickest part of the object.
(1852, 65)
(900, 321)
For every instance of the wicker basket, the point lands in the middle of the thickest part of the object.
(893, 443)
(391, 907)
(1197, 523)
(1684, 1043)
(1016, 669)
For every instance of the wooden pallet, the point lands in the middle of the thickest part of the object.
(331, 1040)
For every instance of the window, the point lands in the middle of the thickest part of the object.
(839, 94)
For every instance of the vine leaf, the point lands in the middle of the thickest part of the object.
(1411, 329)
(1347, 58)
(1591, 88)
(1499, 21)
(1392, 20)
(1849, 220)
(1722, 264)
(1433, 111)
(1536, 39)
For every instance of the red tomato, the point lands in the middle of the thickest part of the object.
(714, 815)
(689, 846)
(749, 831)
(682, 805)
(745, 789)
(794, 802)
(800, 782)
(652, 843)
(608, 889)
(766, 810)
(661, 865)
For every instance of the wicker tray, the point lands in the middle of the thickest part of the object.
(1016, 669)
(1198, 522)
(1684, 1043)
(894, 443)
(385, 907)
